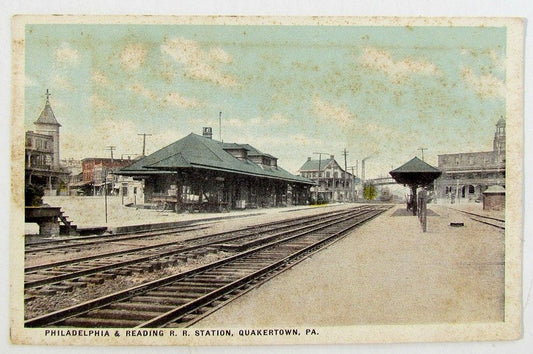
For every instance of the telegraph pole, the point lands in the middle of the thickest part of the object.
(319, 168)
(144, 135)
(111, 148)
(422, 149)
(220, 125)
(345, 172)
(354, 196)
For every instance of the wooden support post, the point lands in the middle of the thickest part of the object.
(413, 191)
(179, 189)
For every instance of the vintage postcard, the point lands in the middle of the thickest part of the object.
(266, 180)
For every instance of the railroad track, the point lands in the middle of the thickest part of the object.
(49, 278)
(77, 244)
(488, 220)
(182, 299)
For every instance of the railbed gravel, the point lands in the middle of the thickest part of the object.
(42, 305)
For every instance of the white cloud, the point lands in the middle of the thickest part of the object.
(381, 60)
(498, 61)
(133, 56)
(199, 64)
(106, 132)
(98, 102)
(331, 112)
(220, 55)
(143, 91)
(259, 121)
(66, 54)
(100, 78)
(234, 123)
(59, 81)
(121, 133)
(485, 86)
(279, 119)
(174, 98)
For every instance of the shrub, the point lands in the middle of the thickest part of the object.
(33, 195)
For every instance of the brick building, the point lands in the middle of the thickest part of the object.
(465, 176)
(98, 172)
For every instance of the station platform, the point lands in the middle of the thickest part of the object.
(386, 272)
(89, 213)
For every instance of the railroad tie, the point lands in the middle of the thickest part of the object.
(74, 284)
(92, 279)
(58, 287)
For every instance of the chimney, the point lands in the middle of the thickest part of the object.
(208, 133)
(309, 159)
(332, 157)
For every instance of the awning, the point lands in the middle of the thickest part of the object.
(80, 184)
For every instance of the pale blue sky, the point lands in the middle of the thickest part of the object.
(288, 90)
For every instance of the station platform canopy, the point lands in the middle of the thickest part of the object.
(196, 152)
(415, 172)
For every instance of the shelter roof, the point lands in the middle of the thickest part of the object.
(416, 165)
(415, 172)
(195, 151)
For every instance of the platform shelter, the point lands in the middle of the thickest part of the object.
(415, 173)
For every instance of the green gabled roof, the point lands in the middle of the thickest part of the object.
(195, 151)
(313, 165)
(415, 173)
(173, 161)
(415, 165)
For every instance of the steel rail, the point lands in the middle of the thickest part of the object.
(140, 259)
(61, 315)
(475, 216)
(181, 249)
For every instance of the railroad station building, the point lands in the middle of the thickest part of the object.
(42, 162)
(200, 173)
(465, 176)
(333, 184)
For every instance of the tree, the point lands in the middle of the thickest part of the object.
(33, 195)
(369, 191)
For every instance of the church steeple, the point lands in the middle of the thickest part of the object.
(47, 124)
(47, 115)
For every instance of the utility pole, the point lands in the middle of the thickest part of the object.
(111, 148)
(345, 172)
(354, 195)
(144, 135)
(220, 125)
(422, 149)
(319, 169)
